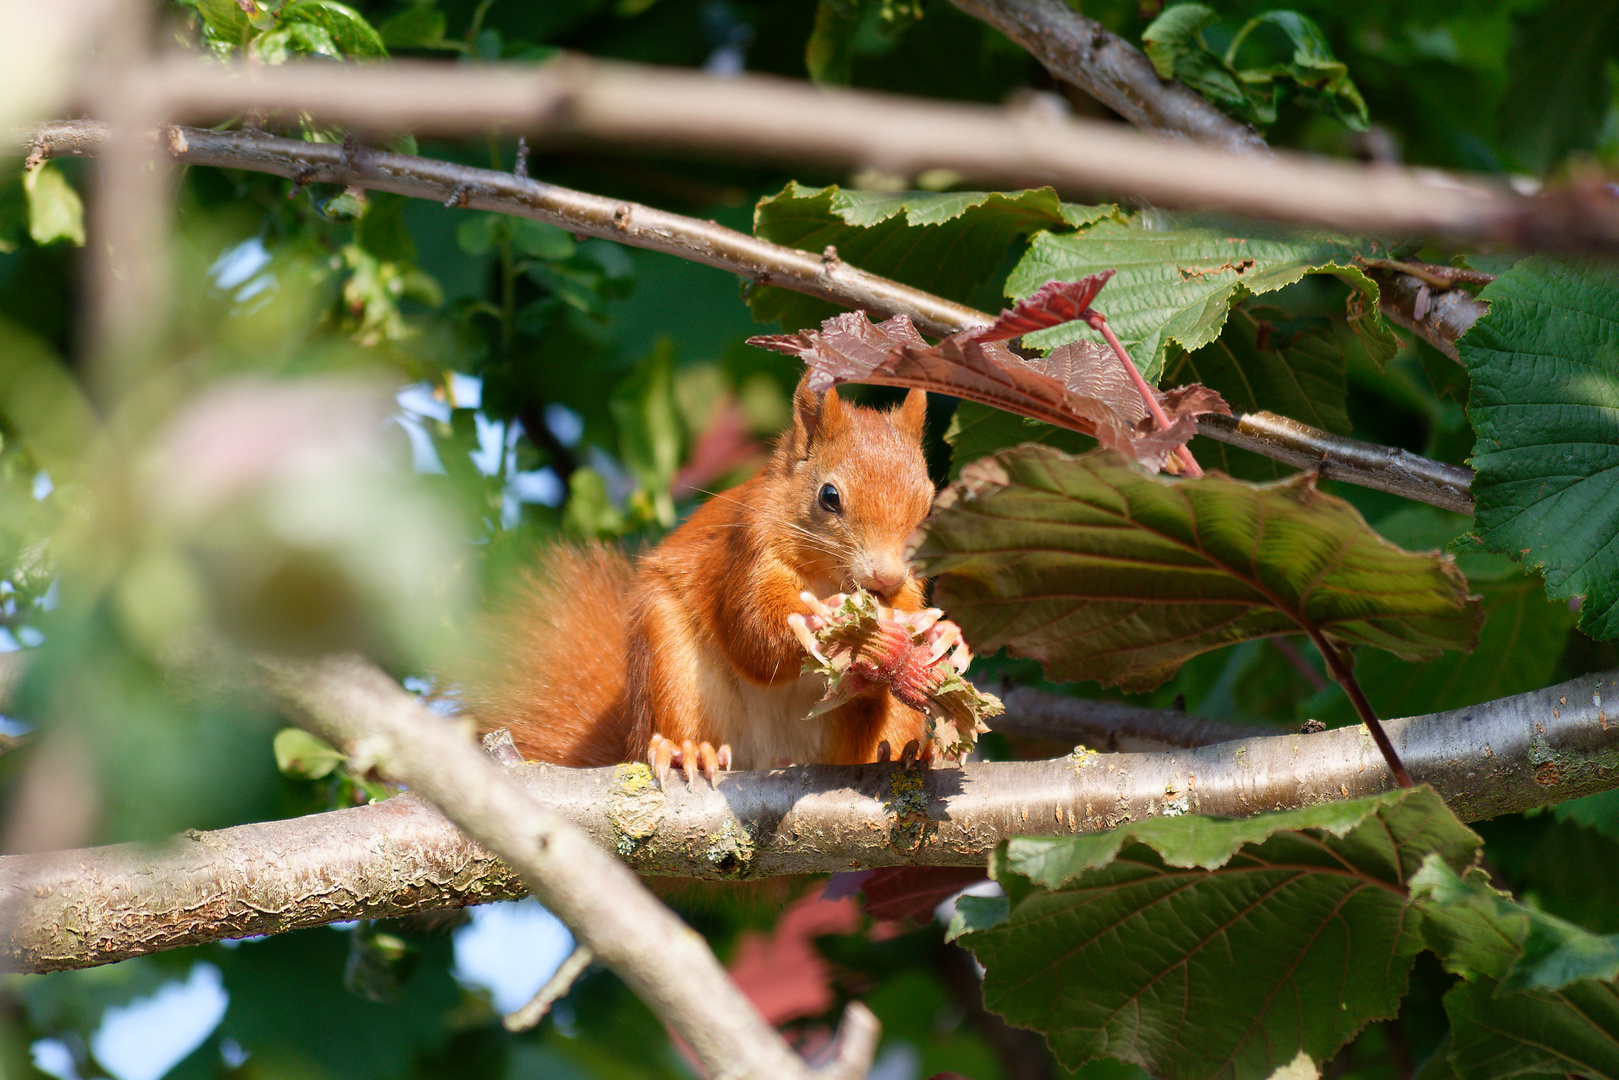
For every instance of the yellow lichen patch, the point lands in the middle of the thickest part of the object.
(635, 807)
(634, 778)
(1082, 756)
(908, 799)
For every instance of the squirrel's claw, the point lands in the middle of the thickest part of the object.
(712, 762)
(660, 754)
(690, 758)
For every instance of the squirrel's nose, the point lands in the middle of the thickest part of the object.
(883, 579)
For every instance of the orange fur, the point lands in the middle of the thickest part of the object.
(696, 645)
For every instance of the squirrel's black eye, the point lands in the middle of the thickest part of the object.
(831, 501)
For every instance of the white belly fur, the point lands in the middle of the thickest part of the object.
(765, 726)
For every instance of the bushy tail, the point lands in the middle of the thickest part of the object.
(551, 663)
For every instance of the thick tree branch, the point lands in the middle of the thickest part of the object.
(574, 99)
(828, 277)
(356, 707)
(1085, 53)
(79, 908)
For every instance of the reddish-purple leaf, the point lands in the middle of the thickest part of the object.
(1052, 304)
(1080, 386)
(902, 892)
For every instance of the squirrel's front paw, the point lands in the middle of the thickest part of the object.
(691, 758)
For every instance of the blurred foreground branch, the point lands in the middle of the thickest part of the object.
(81, 908)
(357, 708)
(817, 274)
(573, 100)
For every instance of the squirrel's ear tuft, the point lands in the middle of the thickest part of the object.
(807, 407)
(817, 415)
(909, 415)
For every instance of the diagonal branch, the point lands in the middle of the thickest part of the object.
(1085, 53)
(822, 275)
(81, 908)
(356, 707)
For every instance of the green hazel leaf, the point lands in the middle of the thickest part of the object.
(1294, 370)
(1203, 948)
(1528, 1035)
(1174, 43)
(541, 239)
(354, 37)
(55, 211)
(1175, 32)
(1544, 402)
(1482, 933)
(476, 234)
(1557, 80)
(950, 244)
(1321, 79)
(289, 1007)
(1176, 285)
(291, 39)
(1477, 931)
(1101, 571)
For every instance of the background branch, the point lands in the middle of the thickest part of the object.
(1086, 54)
(1439, 317)
(80, 908)
(1382, 468)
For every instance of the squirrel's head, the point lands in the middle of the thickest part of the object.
(858, 486)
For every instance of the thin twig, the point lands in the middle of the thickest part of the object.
(1344, 676)
(1085, 53)
(555, 988)
(1440, 277)
(1439, 317)
(1338, 457)
(1383, 468)
(1097, 321)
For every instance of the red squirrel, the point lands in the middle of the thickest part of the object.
(685, 657)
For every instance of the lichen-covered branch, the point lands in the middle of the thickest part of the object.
(80, 908)
(1085, 53)
(822, 275)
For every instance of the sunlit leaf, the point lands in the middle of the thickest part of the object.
(55, 211)
(950, 244)
(1175, 285)
(1545, 404)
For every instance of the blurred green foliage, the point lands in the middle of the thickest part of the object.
(368, 410)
